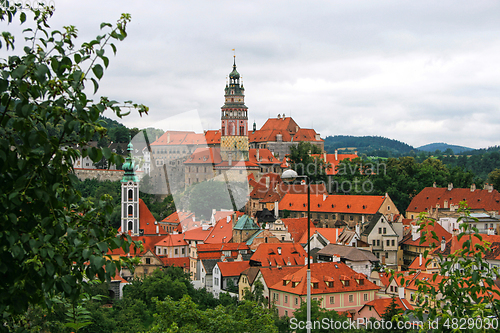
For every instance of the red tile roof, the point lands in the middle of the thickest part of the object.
(354, 204)
(429, 197)
(213, 137)
(219, 247)
(330, 158)
(304, 134)
(265, 157)
(178, 216)
(148, 243)
(172, 138)
(172, 240)
(233, 268)
(205, 156)
(330, 234)
(429, 240)
(416, 265)
(147, 221)
(222, 232)
(178, 262)
(380, 305)
(322, 273)
(297, 227)
(453, 245)
(196, 234)
(268, 254)
(272, 275)
(284, 123)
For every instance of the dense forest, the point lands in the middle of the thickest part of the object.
(368, 145)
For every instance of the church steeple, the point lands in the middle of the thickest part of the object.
(234, 119)
(130, 195)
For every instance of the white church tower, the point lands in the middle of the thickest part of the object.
(130, 196)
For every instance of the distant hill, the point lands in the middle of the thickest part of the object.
(432, 147)
(369, 145)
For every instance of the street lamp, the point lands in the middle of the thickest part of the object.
(289, 176)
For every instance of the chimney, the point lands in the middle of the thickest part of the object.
(234, 218)
(401, 292)
(283, 116)
(420, 259)
(279, 116)
(317, 137)
(257, 154)
(434, 185)
(279, 250)
(490, 189)
(491, 231)
(358, 229)
(168, 137)
(324, 156)
(473, 187)
(336, 155)
(268, 181)
(276, 209)
(335, 258)
(450, 186)
(443, 244)
(157, 229)
(296, 129)
(324, 196)
(415, 234)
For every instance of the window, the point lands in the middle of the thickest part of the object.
(164, 251)
(332, 299)
(176, 251)
(365, 297)
(182, 251)
(374, 242)
(385, 231)
(386, 255)
(379, 230)
(393, 242)
(346, 283)
(286, 298)
(286, 313)
(275, 296)
(130, 195)
(315, 285)
(130, 210)
(146, 271)
(388, 242)
(378, 242)
(296, 301)
(130, 225)
(351, 298)
(148, 261)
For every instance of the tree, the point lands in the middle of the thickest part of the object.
(52, 241)
(304, 163)
(494, 178)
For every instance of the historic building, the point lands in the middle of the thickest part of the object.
(234, 120)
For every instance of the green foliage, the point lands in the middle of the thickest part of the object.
(369, 145)
(494, 178)
(185, 316)
(304, 164)
(52, 241)
(468, 289)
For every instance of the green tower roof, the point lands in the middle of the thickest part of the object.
(129, 166)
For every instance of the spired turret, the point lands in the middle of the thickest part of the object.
(234, 119)
(130, 196)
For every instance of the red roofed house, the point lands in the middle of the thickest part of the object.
(200, 166)
(377, 308)
(435, 198)
(278, 254)
(412, 246)
(172, 246)
(290, 229)
(225, 271)
(335, 285)
(278, 134)
(328, 209)
(171, 222)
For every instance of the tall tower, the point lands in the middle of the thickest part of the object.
(234, 120)
(130, 196)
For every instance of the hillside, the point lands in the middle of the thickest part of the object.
(369, 145)
(432, 147)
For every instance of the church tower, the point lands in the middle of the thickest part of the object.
(234, 120)
(130, 196)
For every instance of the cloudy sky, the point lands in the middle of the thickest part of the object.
(415, 71)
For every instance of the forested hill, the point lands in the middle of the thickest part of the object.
(369, 145)
(432, 147)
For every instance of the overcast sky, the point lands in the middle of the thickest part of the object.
(414, 71)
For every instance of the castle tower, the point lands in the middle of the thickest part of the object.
(234, 120)
(130, 196)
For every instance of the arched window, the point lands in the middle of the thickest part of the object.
(130, 210)
(130, 225)
(130, 195)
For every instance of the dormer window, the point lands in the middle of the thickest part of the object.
(315, 285)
